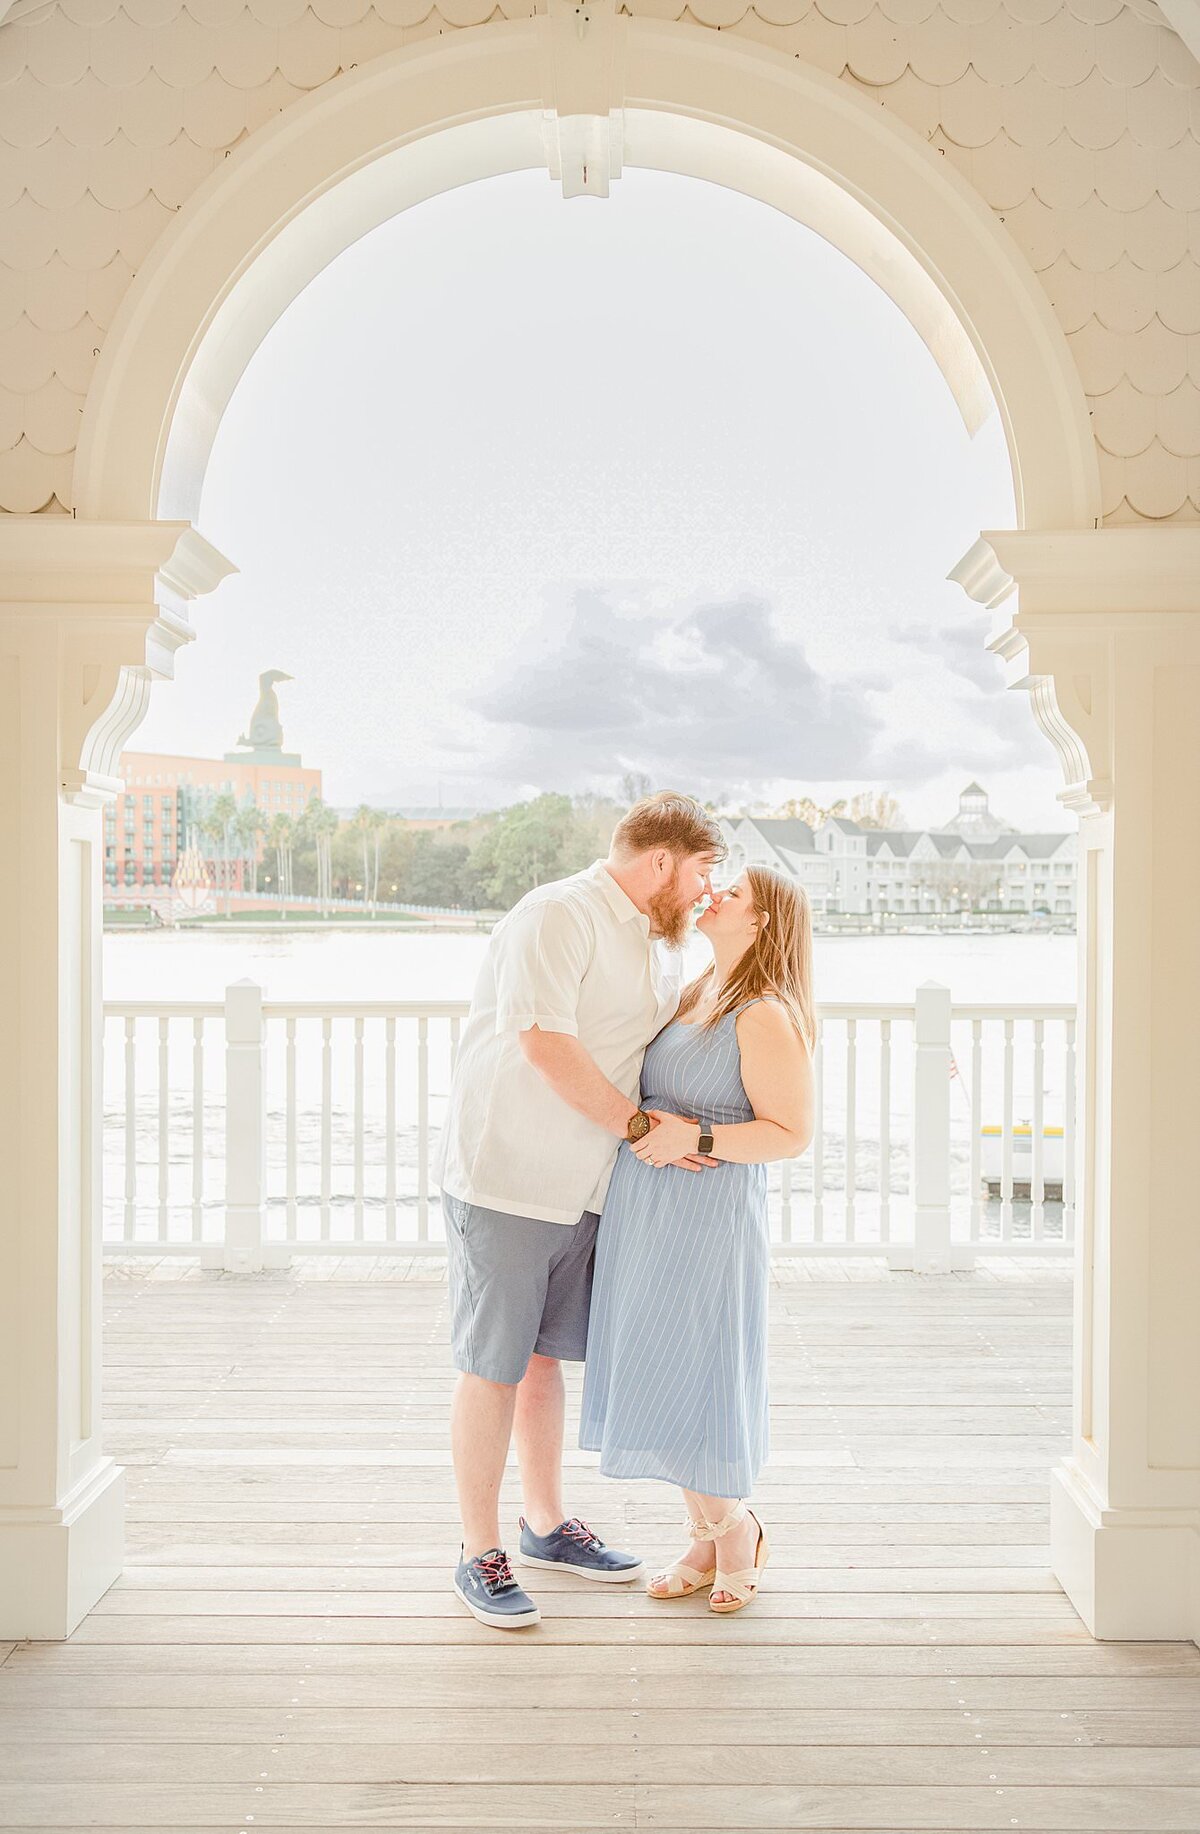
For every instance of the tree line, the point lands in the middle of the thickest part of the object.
(485, 863)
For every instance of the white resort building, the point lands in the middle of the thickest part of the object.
(973, 863)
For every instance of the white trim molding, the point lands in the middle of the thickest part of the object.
(562, 91)
(117, 594)
(1076, 590)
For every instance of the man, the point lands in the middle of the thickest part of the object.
(578, 977)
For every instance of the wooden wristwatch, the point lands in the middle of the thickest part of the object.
(639, 1126)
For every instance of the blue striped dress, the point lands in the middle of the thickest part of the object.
(675, 1383)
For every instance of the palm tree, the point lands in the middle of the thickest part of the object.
(364, 818)
(249, 823)
(224, 812)
(320, 822)
(282, 834)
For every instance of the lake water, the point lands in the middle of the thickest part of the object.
(158, 1188)
(394, 965)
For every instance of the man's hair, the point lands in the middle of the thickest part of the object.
(669, 820)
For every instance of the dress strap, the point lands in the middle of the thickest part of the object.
(753, 1002)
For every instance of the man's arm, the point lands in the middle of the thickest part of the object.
(574, 1076)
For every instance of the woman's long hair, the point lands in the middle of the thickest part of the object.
(778, 961)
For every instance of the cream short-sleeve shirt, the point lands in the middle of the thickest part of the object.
(576, 956)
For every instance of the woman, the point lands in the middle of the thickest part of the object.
(675, 1383)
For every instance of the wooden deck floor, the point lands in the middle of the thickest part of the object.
(265, 1662)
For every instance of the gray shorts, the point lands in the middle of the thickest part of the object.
(517, 1286)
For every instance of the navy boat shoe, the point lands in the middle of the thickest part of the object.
(573, 1547)
(487, 1588)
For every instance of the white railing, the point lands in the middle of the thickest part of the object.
(249, 1130)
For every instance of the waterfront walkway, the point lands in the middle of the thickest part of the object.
(284, 1652)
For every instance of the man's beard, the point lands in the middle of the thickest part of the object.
(668, 917)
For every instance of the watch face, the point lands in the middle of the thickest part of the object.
(639, 1126)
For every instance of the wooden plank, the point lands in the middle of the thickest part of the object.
(862, 1722)
(577, 1760)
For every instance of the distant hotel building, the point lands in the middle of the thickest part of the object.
(167, 799)
(974, 863)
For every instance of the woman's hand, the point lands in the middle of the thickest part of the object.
(673, 1139)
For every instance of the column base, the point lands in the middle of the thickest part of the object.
(1133, 1575)
(55, 1563)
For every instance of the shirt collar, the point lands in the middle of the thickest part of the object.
(619, 901)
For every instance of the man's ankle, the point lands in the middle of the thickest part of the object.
(471, 1550)
(543, 1523)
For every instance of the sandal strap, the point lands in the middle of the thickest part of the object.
(698, 1530)
(736, 1514)
(741, 1585)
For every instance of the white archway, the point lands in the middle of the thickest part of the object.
(531, 93)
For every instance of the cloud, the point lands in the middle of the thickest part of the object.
(958, 646)
(717, 699)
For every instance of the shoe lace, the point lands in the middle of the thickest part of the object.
(577, 1530)
(497, 1573)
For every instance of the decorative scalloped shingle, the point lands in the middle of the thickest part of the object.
(1078, 122)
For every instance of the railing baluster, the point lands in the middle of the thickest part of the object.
(818, 1145)
(422, 1129)
(1068, 1169)
(291, 1133)
(885, 1130)
(389, 1129)
(359, 1129)
(197, 1130)
(1006, 1149)
(976, 1172)
(1037, 1182)
(326, 1124)
(130, 1222)
(851, 1127)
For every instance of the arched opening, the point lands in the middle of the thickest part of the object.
(761, 505)
(663, 97)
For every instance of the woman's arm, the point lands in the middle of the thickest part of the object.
(777, 1077)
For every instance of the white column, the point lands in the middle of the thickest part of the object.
(89, 614)
(931, 1251)
(244, 1249)
(1107, 641)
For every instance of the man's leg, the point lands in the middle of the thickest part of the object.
(481, 1424)
(539, 1414)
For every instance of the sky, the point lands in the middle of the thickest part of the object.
(527, 494)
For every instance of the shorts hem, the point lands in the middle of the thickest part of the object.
(471, 1367)
(573, 1355)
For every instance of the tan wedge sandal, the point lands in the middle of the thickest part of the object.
(742, 1585)
(681, 1579)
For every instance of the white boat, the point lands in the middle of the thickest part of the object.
(991, 1160)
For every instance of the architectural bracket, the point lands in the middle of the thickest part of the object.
(581, 46)
(1076, 590)
(113, 600)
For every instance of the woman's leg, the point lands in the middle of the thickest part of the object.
(700, 1555)
(735, 1549)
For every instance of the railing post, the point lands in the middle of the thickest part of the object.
(931, 1249)
(244, 1250)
